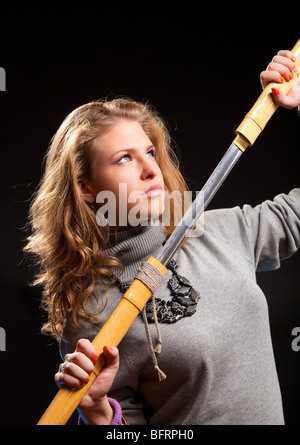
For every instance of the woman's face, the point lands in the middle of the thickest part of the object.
(127, 174)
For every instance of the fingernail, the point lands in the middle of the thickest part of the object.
(282, 78)
(84, 383)
(275, 91)
(293, 59)
(95, 359)
(291, 76)
(110, 347)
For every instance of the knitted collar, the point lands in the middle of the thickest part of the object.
(135, 245)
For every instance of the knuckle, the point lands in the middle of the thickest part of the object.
(62, 380)
(85, 347)
(271, 66)
(263, 76)
(82, 343)
(69, 368)
(70, 357)
(76, 359)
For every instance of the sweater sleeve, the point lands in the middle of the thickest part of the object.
(265, 234)
(275, 228)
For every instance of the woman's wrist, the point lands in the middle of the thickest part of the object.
(96, 413)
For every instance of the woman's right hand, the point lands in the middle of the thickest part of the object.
(282, 67)
(74, 372)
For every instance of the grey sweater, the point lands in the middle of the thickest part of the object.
(219, 362)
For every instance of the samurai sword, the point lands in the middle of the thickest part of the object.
(134, 299)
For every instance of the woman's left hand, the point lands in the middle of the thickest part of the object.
(282, 68)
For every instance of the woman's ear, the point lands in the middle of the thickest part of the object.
(86, 190)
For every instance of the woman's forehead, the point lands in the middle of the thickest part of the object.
(123, 135)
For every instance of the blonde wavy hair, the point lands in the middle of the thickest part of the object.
(65, 239)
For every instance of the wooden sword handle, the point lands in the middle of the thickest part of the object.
(263, 109)
(114, 329)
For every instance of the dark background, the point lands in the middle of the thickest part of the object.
(201, 72)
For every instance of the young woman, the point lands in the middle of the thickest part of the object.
(98, 214)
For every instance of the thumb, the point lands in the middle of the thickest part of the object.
(111, 357)
(110, 368)
(284, 101)
(104, 380)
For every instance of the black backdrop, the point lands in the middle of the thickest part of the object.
(202, 75)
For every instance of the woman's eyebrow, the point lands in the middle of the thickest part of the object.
(131, 149)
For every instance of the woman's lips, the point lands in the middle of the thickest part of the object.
(153, 191)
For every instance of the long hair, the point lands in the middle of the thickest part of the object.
(65, 239)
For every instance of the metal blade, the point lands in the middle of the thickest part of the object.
(193, 214)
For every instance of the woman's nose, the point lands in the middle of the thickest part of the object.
(149, 169)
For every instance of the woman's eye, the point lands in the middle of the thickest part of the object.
(126, 158)
(151, 152)
(123, 159)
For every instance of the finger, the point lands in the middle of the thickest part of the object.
(284, 70)
(111, 357)
(270, 76)
(80, 360)
(72, 369)
(64, 379)
(287, 53)
(281, 99)
(286, 61)
(87, 348)
(111, 366)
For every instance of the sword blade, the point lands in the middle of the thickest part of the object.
(193, 214)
